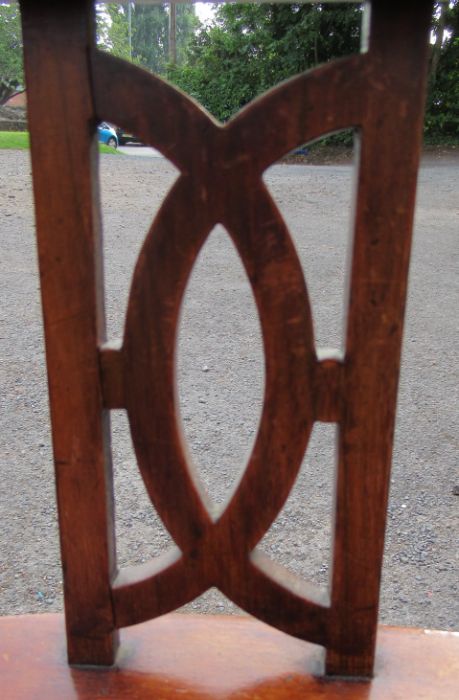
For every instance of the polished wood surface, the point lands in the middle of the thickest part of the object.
(384, 210)
(59, 101)
(184, 657)
(380, 93)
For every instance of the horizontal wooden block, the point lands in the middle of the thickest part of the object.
(194, 657)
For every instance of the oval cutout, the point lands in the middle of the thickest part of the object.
(220, 367)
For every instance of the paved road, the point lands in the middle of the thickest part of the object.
(220, 375)
(142, 151)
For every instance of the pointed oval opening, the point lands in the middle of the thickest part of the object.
(220, 367)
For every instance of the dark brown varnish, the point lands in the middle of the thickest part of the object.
(71, 86)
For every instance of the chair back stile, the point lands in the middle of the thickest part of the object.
(56, 38)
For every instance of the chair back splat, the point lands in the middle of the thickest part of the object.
(72, 86)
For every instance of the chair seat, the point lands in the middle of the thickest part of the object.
(194, 657)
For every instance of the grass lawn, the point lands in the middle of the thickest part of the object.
(20, 140)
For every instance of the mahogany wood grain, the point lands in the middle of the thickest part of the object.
(389, 157)
(190, 657)
(380, 93)
(112, 376)
(64, 160)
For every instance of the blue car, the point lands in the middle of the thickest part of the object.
(107, 135)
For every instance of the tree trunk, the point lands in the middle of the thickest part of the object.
(436, 48)
(172, 34)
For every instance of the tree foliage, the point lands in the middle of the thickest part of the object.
(112, 29)
(250, 48)
(11, 67)
(442, 115)
(149, 32)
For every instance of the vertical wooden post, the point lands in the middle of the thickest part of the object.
(57, 38)
(391, 140)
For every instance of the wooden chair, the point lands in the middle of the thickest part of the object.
(71, 87)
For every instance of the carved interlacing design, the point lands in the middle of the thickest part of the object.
(379, 93)
(220, 182)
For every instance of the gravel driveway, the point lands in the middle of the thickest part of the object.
(221, 383)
